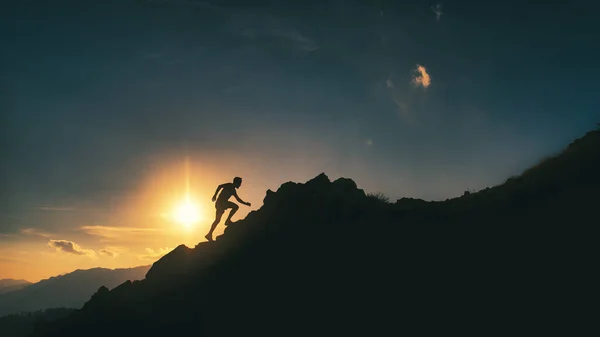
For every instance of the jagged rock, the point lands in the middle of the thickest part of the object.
(171, 265)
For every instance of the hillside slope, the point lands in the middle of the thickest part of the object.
(323, 258)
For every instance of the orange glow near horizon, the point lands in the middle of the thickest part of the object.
(169, 205)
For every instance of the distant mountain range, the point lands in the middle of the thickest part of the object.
(68, 291)
(8, 285)
(323, 258)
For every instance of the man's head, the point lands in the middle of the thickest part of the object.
(237, 182)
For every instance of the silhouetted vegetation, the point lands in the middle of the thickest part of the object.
(379, 196)
(324, 258)
(24, 324)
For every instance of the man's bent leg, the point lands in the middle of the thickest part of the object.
(214, 224)
(234, 208)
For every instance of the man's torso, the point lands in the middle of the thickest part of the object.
(226, 193)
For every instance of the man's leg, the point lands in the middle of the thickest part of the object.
(234, 207)
(214, 224)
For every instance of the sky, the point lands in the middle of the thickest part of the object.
(112, 112)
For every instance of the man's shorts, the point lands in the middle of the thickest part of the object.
(221, 206)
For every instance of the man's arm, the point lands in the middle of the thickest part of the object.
(217, 192)
(240, 200)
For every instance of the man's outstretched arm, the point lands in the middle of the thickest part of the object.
(217, 192)
(240, 200)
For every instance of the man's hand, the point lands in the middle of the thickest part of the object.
(214, 198)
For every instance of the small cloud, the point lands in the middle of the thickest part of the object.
(152, 254)
(117, 232)
(369, 142)
(70, 247)
(271, 29)
(437, 10)
(422, 78)
(56, 209)
(297, 39)
(397, 97)
(303, 42)
(108, 252)
(36, 232)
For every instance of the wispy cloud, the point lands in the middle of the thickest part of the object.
(56, 209)
(152, 254)
(250, 23)
(108, 252)
(4, 258)
(70, 247)
(403, 97)
(401, 104)
(422, 78)
(118, 232)
(291, 35)
(302, 42)
(437, 10)
(36, 232)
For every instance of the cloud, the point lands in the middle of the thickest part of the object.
(403, 99)
(302, 42)
(263, 27)
(251, 23)
(56, 209)
(117, 232)
(291, 35)
(422, 78)
(369, 142)
(396, 96)
(70, 247)
(36, 232)
(11, 259)
(108, 252)
(437, 10)
(152, 254)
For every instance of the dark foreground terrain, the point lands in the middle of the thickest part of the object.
(323, 258)
(24, 324)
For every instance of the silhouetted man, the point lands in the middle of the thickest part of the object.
(223, 203)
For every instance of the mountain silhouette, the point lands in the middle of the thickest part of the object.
(71, 290)
(325, 258)
(8, 285)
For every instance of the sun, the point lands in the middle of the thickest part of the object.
(187, 213)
